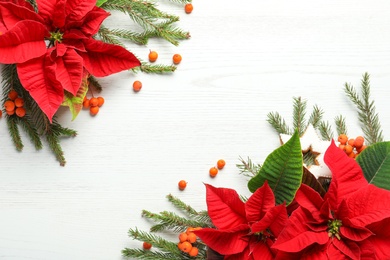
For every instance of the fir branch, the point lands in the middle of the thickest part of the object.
(316, 116)
(156, 69)
(169, 220)
(248, 168)
(299, 112)
(181, 1)
(201, 216)
(94, 83)
(31, 131)
(366, 110)
(325, 131)
(341, 126)
(112, 36)
(14, 132)
(278, 123)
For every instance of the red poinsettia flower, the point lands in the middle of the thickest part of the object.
(351, 222)
(243, 231)
(54, 47)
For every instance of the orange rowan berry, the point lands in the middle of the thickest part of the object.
(182, 184)
(220, 164)
(213, 171)
(352, 155)
(86, 103)
(147, 245)
(188, 8)
(191, 237)
(348, 149)
(343, 139)
(180, 246)
(342, 147)
(100, 101)
(153, 56)
(20, 111)
(19, 102)
(137, 85)
(9, 105)
(186, 246)
(93, 102)
(12, 95)
(1, 113)
(94, 110)
(359, 141)
(359, 150)
(193, 252)
(11, 112)
(176, 59)
(351, 141)
(183, 237)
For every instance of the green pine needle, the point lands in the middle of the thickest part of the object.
(325, 131)
(299, 112)
(278, 123)
(341, 126)
(248, 168)
(316, 116)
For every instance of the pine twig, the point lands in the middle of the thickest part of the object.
(325, 131)
(341, 126)
(248, 168)
(316, 116)
(299, 112)
(366, 110)
(278, 123)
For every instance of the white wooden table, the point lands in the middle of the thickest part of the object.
(244, 60)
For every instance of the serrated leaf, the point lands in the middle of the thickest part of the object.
(375, 163)
(100, 2)
(283, 171)
(75, 103)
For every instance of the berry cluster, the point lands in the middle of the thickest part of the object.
(14, 104)
(214, 170)
(93, 104)
(352, 147)
(153, 55)
(187, 242)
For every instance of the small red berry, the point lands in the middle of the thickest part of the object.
(182, 184)
(213, 171)
(188, 8)
(220, 164)
(137, 85)
(147, 245)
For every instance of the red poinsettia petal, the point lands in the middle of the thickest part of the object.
(77, 9)
(260, 250)
(244, 255)
(59, 15)
(23, 42)
(355, 234)
(343, 249)
(69, 71)
(38, 78)
(379, 244)
(347, 176)
(296, 236)
(275, 219)
(102, 59)
(11, 14)
(312, 201)
(225, 208)
(22, 3)
(46, 9)
(90, 24)
(368, 205)
(225, 242)
(259, 203)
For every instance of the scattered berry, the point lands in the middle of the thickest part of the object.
(94, 110)
(182, 184)
(213, 172)
(9, 105)
(153, 56)
(220, 164)
(188, 8)
(20, 111)
(137, 85)
(1, 113)
(100, 101)
(12, 95)
(176, 59)
(194, 251)
(147, 245)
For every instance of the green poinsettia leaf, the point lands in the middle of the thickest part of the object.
(283, 171)
(75, 103)
(375, 163)
(100, 2)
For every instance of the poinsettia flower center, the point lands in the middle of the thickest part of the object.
(262, 235)
(55, 37)
(334, 228)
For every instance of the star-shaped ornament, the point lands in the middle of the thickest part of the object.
(312, 146)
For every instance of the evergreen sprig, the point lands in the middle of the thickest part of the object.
(299, 112)
(167, 221)
(341, 126)
(248, 168)
(367, 116)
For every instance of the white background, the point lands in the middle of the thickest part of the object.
(244, 60)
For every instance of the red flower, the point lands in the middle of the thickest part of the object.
(243, 230)
(54, 47)
(351, 222)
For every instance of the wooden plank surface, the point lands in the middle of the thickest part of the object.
(244, 60)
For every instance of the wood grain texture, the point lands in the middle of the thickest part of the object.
(243, 61)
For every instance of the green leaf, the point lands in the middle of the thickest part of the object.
(75, 103)
(375, 163)
(100, 2)
(283, 171)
